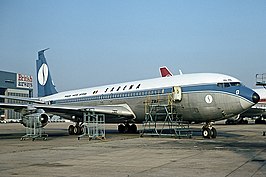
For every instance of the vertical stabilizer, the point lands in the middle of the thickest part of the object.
(165, 72)
(44, 80)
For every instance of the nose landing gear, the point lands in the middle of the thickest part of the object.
(208, 131)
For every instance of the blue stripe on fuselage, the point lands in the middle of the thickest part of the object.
(240, 90)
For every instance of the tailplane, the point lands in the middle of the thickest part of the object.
(44, 80)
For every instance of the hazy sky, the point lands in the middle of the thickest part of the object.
(109, 41)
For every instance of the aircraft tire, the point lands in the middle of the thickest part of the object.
(213, 132)
(71, 130)
(121, 128)
(77, 130)
(133, 128)
(206, 133)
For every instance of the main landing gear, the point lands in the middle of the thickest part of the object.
(127, 128)
(75, 130)
(208, 131)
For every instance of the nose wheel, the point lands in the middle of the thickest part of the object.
(208, 131)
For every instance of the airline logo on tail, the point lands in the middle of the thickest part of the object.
(45, 83)
(165, 72)
(43, 74)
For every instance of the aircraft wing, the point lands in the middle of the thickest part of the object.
(25, 99)
(67, 111)
(14, 106)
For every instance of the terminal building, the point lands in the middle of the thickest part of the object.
(14, 84)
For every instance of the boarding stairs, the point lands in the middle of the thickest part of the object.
(162, 119)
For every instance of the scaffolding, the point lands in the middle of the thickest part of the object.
(34, 131)
(261, 81)
(93, 126)
(161, 119)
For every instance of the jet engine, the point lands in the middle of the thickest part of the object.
(36, 120)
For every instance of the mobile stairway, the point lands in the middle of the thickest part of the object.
(162, 119)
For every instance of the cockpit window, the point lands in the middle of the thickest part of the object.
(220, 85)
(235, 83)
(228, 84)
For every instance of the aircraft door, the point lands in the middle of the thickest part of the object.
(177, 93)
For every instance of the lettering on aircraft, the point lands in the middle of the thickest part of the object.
(43, 74)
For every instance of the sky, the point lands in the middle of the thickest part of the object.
(98, 42)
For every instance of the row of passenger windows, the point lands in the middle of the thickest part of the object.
(118, 95)
(228, 84)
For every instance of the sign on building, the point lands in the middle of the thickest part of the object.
(24, 81)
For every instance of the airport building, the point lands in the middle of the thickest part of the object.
(14, 84)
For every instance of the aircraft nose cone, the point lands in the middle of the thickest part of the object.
(255, 98)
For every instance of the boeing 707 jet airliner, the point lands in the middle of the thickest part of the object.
(201, 97)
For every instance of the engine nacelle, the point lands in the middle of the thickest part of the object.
(36, 120)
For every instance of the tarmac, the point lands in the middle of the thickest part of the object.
(238, 150)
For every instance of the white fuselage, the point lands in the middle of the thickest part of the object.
(204, 96)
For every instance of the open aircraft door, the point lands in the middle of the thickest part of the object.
(177, 93)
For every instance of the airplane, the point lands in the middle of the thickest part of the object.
(257, 111)
(200, 97)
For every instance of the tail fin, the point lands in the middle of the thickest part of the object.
(165, 72)
(44, 80)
